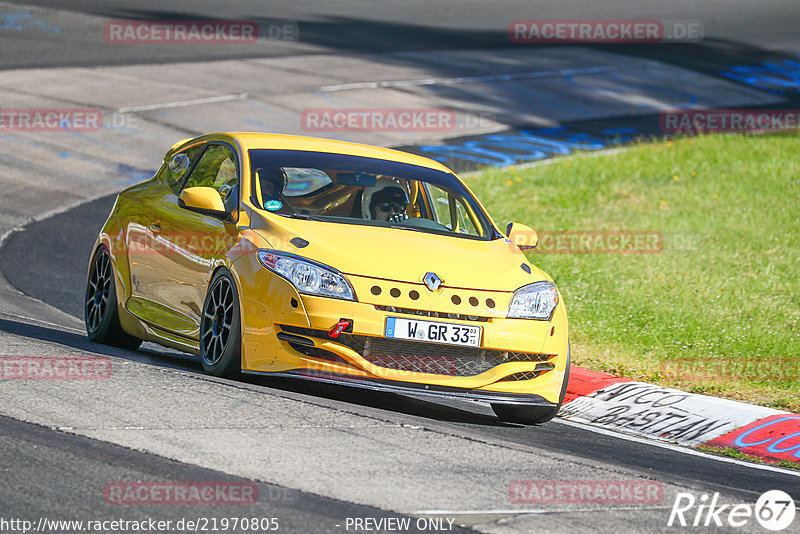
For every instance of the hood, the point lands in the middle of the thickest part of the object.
(403, 255)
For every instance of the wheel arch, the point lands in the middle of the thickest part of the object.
(227, 266)
(231, 268)
(112, 238)
(115, 328)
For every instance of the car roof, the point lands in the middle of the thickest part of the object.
(250, 140)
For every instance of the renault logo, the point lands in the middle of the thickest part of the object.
(432, 281)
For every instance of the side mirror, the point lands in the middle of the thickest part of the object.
(523, 236)
(205, 200)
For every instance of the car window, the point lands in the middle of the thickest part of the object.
(441, 205)
(302, 182)
(449, 208)
(363, 191)
(466, 220)
(179, 166)
(217, 168)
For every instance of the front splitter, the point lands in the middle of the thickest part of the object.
(413, 389)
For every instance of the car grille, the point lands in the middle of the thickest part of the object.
(529, 375)
(319, 354)
(427, 313)
(422, 357)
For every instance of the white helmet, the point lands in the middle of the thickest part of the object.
(381, 184)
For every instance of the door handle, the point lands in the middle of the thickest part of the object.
(155, 227)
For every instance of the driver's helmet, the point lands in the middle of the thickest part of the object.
(385, 200)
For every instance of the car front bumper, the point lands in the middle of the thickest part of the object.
(519, 361)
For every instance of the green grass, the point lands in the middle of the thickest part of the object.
(736, 453)
(717, 311)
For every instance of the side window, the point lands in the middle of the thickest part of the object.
(217, 168)
(465, 223)
(441, 205)
(179, 166)
(304, 181)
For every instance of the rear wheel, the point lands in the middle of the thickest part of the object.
(531, 415)
(220, 331)
(100, 307)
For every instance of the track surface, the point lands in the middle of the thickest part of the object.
(74, 462)
(336, 453)
(342, 26)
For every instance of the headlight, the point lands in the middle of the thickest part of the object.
(534, 301)
(307, 276)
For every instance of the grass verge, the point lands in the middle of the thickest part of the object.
(714, 307)
(736, 453)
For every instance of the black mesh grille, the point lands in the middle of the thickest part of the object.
(528, 357)
(525, 375)
(318, 353)
(426, 313)
(529, 375)
(422, 357)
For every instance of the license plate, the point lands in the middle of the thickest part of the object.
(433, 332)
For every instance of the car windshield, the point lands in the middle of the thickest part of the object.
(365, 191)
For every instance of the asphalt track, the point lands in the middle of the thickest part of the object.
(77, 462)
(58, 470)
(340, 26)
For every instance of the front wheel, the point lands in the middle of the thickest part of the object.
(100, 306)
(220, 331)
(532, 415)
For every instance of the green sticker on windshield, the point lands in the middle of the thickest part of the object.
(273, 205)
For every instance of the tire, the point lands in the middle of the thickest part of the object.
(220, 328)
(532, 415)
(101, 316)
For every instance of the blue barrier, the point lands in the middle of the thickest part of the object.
(501, 150)
(779, 77)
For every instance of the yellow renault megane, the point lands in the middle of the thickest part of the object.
(330, 261)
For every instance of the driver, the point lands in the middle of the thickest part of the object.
(389, 205)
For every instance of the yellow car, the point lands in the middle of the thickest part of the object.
(330, 261)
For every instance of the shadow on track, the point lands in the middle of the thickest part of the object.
(185, 362)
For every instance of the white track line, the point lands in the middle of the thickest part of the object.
(490, 77)
(678, 448)
(184, 103)
(51, 213)
(38, 322)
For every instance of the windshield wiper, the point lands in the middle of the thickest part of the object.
(303, 216)
(408, 228)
